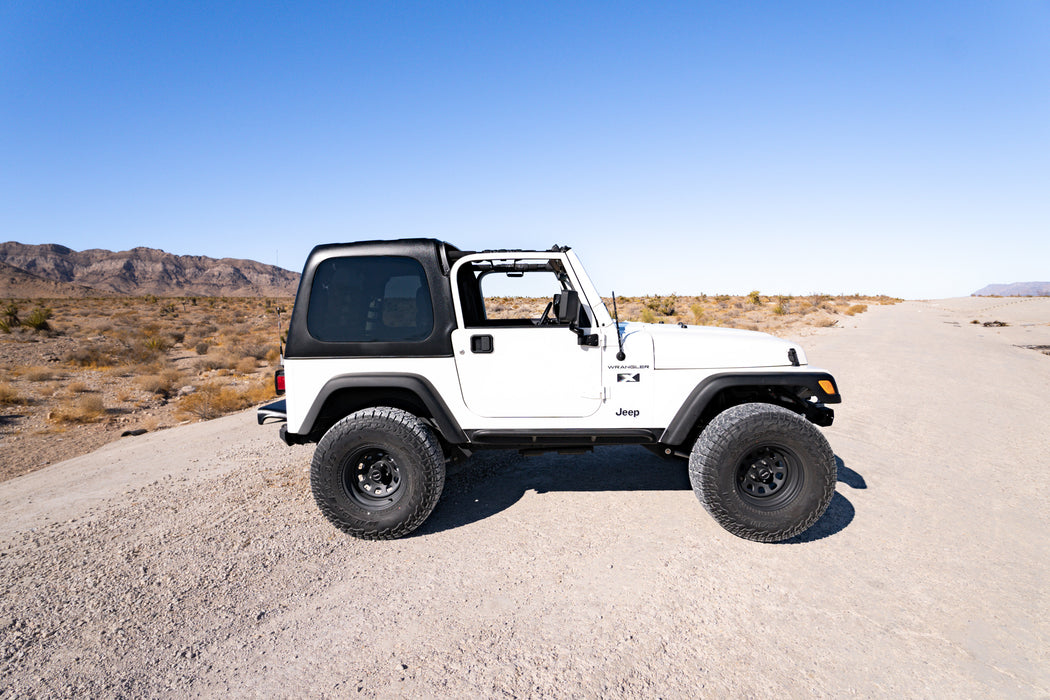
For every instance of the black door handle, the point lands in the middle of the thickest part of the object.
(481, 344)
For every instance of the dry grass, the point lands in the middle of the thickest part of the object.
(213, 399)
(86, 409)
(9, 395)
(161, 384)
(38, 374)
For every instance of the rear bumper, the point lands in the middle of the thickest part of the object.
(277, 410)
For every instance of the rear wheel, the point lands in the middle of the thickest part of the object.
(378, 473)
(763, 472)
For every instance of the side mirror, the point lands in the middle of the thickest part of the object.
(567, 306)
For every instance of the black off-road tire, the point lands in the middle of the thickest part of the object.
(378, 473)
(763, 472)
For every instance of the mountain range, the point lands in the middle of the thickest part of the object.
(51, 270)
(1016, 289)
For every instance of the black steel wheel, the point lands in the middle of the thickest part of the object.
(763, 472)
(378, 473)
(769, 476)
(372, 478)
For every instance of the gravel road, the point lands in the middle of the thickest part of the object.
(193, 562)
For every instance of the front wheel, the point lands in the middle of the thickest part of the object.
(763, 472)
(378, 473)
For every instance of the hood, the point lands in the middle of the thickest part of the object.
(704, 347)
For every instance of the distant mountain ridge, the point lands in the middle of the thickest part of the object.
(55, 270)
(1016, 289)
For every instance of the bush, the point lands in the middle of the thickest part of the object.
(247, 365)
(38, 319)
(223, 361)
(86, 409)
(160, 384)
(92, 355)
(754, 297)
(202, 348)
(698, 313)
(259, 352)
(213, 400)
(664, 306)
(9, 396)
(10, 316)
(38, 374)
(856, 309)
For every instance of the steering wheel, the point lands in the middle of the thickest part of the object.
(544, 319)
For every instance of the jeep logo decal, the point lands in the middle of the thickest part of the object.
(630, 413)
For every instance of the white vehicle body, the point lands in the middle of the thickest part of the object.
(540, 378)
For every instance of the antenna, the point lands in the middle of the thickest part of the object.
(620, 356)
(280, 344)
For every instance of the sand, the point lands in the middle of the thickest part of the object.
(192, 561)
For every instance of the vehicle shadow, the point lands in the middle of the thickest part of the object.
(491, 482)
(840, 512)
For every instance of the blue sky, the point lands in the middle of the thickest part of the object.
(899, 148)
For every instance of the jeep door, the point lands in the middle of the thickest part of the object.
(514, 356)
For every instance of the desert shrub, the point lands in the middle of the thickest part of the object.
(780, 309)
(156, 343)
(38, 319)
(213, 400)
(38, 374)
(755, 297)
(648, 316)
(257, 351)
(5, 327)
(273, 356)
(698, 313)
(825, 322)
(86, 409)
(247, 365)
(10, 315)
(202, 348)
(176, 337)
(160, 384)
(9, 396)
(663, 306)
(856, 309)
(216, 361)
(77, 388)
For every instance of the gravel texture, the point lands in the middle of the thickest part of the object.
(193, 561)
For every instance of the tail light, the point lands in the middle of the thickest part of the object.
(278, 381)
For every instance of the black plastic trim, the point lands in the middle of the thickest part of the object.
(576, 437)
(414, 383)
(277, 409)
(678, 430)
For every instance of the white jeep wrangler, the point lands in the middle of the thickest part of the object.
(399, 360)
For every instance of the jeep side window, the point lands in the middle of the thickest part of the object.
(370, 298)
(512, 292)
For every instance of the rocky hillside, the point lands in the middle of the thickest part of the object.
(1017, 289)
(15, 282)
(54, 270)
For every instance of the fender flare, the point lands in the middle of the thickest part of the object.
(678, 429)
(424, 390)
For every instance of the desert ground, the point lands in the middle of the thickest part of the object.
(192, 561)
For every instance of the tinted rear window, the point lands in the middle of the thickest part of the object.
(371, 298)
